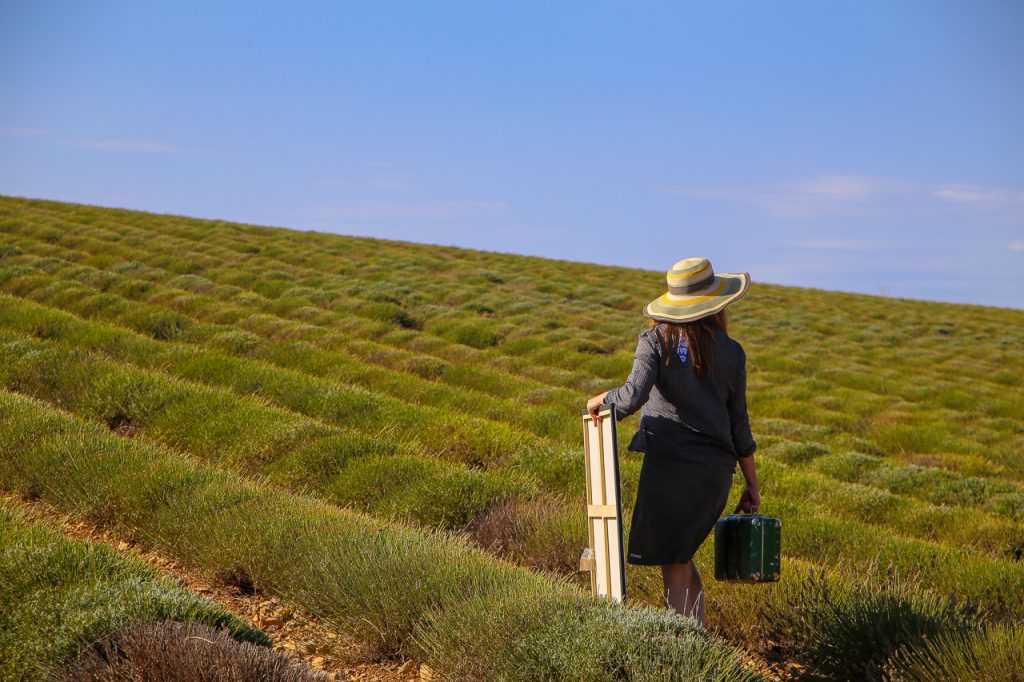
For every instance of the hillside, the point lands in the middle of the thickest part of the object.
(387, 433)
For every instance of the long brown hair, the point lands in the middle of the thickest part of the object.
(700, 339)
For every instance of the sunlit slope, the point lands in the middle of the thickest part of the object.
(442, 386)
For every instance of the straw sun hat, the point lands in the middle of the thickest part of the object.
(695, 291)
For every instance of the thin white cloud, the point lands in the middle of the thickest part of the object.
(973, 194)
(386, 210)
(809, 197)
(826, 188)
(19, 131)
(142, 146)
(1017, 246)
(382, 181)
(115, 145)
(853, 194)
(843, 188)
(835, 244)
(707, 192)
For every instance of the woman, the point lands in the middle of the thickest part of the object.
(690, 378)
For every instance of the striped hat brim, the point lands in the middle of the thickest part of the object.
(720, 292)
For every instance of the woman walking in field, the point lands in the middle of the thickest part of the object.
(690, 378)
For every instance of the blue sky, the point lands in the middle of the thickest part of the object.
(864, 146)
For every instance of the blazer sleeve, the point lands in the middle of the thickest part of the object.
(742, 439)
(629, 397)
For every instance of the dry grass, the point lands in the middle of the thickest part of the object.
(168, 651)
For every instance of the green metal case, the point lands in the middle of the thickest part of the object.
(747, 548)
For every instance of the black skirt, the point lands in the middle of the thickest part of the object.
(678, 502)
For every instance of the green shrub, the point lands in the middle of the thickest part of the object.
(431, 492)
(428, 368)
(523, 635)
(846, 630)
(391, 313)
(236, 342)
(589, 347)
(798, 453)
(161, 325)
(992, 654)
(191, 283)
(473, 334)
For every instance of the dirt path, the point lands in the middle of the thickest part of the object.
(294, 630)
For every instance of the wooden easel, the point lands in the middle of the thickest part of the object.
(605, 557)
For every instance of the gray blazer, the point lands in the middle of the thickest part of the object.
(703, 420)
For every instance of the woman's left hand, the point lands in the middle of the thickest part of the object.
(750, 500)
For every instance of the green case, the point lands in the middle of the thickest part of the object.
(747, 548)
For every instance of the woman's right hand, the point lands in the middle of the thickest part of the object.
(594, 405)
(750, 500)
